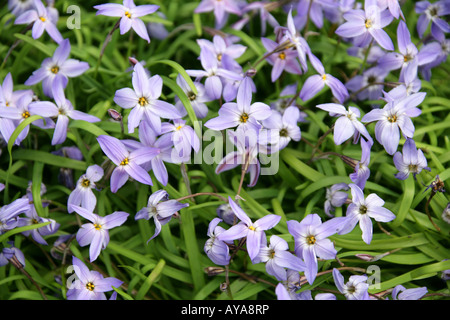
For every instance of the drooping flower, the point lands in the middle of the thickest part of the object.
(129, 14)
(277, 258)
(183, 137)
(42, 20)
(89, 285)
(369, 85)
(246, 142)
(221, 9)
(355, 289)
(393, 6)
(335, 198)
(315, 83)
(225, 213)
(285, 60)
(410, 160)
(241, 113)
(144, 100)
(252, 231)
(9, 253)
(96, 233)
(161, 209)
(9, 213)
(347, 124)
(401, 293)
(395, 116)
(365, 25)
(33, 218)
(361, 172)
(128, 163)
(311, 240)
(215, 249)
(63, 110)
(361, 210)
(58, 66)
(83, 195)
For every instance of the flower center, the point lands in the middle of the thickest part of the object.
(392, 118)
(284, 133)
(324, 77)
(311, 240)
(368, 23)
(191, 96)
(90, 286)
(351, 289)
(413, 167)
(54, 69)
(243, 118)
(43, 19)
(363, 210)
(272, 254)
(97, 226)
(219, 57)
(125, 162)
(7, 103)
(282, 56)
(407, 58)
(128, 14)
(179, 127)
(34, 221)
(86, 183)
(143, 101)
(25, 114)
(252, 228)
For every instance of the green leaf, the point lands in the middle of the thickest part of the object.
(150, 279)
(35, 43)
(50, 159)
(179, 69)
(14, 231)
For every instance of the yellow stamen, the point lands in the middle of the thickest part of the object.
(86, 183)
(25, 115)
(282, 56)
(143, 101)
(324, 77)
(97, 226)
(363, 210)
(128, 14)
(179, 127)
(311, 240)
(124, 162)
(368, 23)
(43, 19)
(252, 228)
(243, 118)
(219, 57)
(90, 286)
(392, 118)
(55, 69)
(7, 103)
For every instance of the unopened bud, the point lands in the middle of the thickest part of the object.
(223, 287)
(250, 72)
(213, 271)
(365, 257)
(133, 61)
(115, 115)
(225, 213)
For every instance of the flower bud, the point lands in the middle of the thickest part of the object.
(225, 213)
(115, 115)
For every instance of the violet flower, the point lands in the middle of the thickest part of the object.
(129, 14)
(215, 249)
(335, 198)
(42, 20)
(197, 100)
(225, 53)
(401, 293)
(241, 113)
(128, 163)
(221, 9)
(58, 66)
(361, 171)
(9, 213)
(10, 253)
(277, 258)
(17, 7)
(365, 25)
(284, 126)
(362, 210)
(356, 287)
(213, 72)
(395, 116)
(62, 111)
(89, 285)
(143, 99)
(264, 8)
(315, 83)
(347, 124)
(411, 160)
(183, 137)
(432, 12)
(246, 142)
(369, 85)
(17, 115)
(393, 6)
(37, 234)
(148, 138)
(285, 60)
(161, 209)
(83, 195)
(311, 240)
(315, 10)
(96, 233)
(252, 231)
(410, 56)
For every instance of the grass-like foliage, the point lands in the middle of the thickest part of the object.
(213, 150)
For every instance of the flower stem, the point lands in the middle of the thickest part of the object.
(202, 194)
(105, 43)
